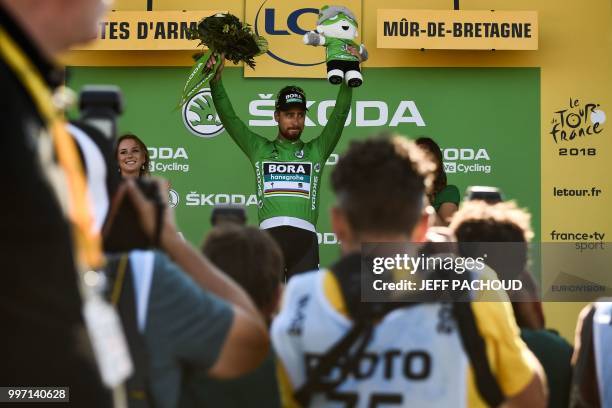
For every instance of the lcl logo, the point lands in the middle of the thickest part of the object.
(268, 23)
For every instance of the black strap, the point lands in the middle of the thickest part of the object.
(338, 356)
(123, 297)
(476, 349)
(159, 219)
(363, 314)
(347, 272)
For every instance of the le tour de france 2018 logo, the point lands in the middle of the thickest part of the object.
(578, 120)
(200, 116)
(283, 25)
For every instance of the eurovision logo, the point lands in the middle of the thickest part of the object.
(200, 116)
(576, 121)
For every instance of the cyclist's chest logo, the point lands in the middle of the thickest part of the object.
(287, 179)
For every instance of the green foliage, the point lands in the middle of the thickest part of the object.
(226, 34)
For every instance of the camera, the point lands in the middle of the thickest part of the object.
(491, 195)
(122, 231)
(100, 106)
(95, 133)
(228, 214)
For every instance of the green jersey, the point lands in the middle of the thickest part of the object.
(336, 49)
(449, 194)
(287, 173)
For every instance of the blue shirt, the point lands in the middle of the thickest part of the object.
(186, 326)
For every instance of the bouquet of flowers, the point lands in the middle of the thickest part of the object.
(221, 34)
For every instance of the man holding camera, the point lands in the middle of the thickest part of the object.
(288, 171)
(179, 312)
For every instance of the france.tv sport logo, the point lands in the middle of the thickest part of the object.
(284, 26)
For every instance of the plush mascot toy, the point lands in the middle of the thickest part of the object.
(336, 29)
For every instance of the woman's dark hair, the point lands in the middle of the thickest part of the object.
(431, 147)
(145, 171)
(478, 221)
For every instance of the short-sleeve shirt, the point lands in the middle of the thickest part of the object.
(555, 354)
(186, 326)
(449, 194)
(258, 388)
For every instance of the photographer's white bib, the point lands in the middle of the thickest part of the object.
(415, 355)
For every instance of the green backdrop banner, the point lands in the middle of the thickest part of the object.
(487, 120)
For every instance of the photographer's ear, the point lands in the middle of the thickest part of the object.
(340, 225)
(426, 220)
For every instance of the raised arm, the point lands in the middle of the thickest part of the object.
(328, 139)
(246, 343)
(247, 140)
